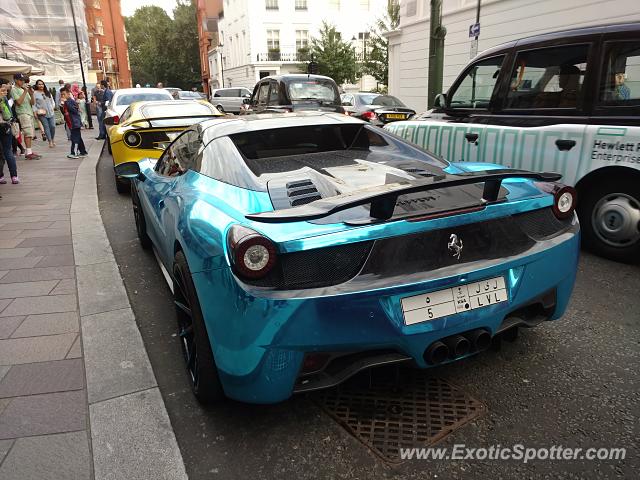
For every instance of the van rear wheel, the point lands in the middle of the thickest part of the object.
(610, 219)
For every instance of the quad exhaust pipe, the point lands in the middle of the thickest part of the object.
(457, 346)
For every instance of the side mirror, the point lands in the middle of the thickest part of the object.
(346, 104)
(106, 104)
(246, 101)
(246, 95)
(440, 101)
(128, 170)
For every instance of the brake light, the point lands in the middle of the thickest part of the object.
(369, 115)
(116, 119)
(564, 201)
(253, 255)
(564, 198)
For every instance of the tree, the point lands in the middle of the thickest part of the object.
(335, 58)
(376, 61)
(162, 49)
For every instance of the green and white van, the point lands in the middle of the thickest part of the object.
(565, 101)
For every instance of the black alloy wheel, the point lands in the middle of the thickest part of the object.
(141, 222)
(192, 333)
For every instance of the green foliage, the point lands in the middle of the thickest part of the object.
(335, 58)
(162, 49)
(376, 62)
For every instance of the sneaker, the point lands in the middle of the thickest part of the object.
(33, 156)
(15, 180)
(83, 154)
(72, 155)
(100, 138)
(3, 180)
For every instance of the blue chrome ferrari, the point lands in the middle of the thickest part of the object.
(304, 248)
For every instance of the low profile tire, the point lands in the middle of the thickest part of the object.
(122, 186)
(609, 214)
(220, 108)
(201, 366)
(141, 222)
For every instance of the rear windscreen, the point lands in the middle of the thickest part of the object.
(310, 90)
(128, 99)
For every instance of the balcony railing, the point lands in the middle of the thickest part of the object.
(277, 56)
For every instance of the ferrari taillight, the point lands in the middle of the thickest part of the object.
(252, 255)
(116, 119)
(564, 201)
(369, 115)
(564, 198)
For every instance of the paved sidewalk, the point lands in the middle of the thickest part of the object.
(43, 399)
(78, 398)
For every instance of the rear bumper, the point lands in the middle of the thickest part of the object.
(260, 341)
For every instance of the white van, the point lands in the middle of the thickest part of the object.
(565, 101)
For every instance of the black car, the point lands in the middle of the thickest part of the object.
(295, 92)
(375, 108)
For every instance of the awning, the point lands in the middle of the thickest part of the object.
(9, 67)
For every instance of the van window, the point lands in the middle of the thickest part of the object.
(548, 78)
(476, 87)
(621, 85)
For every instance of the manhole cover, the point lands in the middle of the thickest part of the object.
(394, 409)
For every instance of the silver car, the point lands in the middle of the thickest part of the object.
(229, 99)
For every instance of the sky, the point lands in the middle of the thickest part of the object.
(130, 6)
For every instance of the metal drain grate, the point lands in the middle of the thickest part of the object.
(398, 408)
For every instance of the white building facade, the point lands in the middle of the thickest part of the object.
(500, 21)
(262, 37)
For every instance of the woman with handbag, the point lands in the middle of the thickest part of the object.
(44, 110)
(6, 138)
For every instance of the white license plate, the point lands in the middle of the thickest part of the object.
(429, 306)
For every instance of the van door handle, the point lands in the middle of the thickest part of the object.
(471, 137)
(565, 145)
(161, 204)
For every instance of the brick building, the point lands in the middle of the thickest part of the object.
(108, 41)
(207, 17)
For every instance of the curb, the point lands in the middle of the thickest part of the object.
(131, 434)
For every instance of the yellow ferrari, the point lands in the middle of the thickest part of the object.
(146, 128)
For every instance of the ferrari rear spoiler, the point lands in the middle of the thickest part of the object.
(383, 198)
(149, 120)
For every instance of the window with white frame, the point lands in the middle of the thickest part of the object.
(97, 45)
(95, 4)
(273, 39)
(99, 26)
(271, 4)
(302, 39)
(301, 4)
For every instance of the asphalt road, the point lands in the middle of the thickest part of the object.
(573, 383)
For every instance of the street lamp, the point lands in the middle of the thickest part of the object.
(220, 45)
(84, 83)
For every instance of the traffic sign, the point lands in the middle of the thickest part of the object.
(474, 30)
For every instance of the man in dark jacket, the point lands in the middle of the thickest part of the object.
(74, 122)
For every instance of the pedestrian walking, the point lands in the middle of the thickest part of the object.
(44, 109)
(82, 104)
(74, 122)
(60, 86)
(67, 87)
(96, 97)
(6, 136)
(107, 96)
(22, 95)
